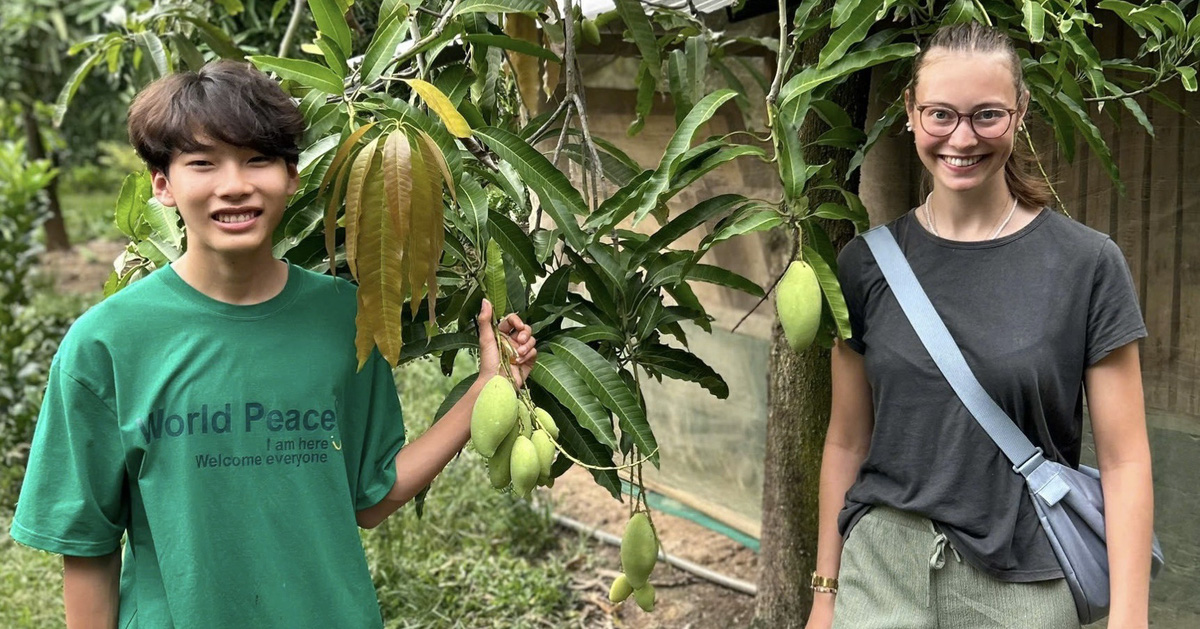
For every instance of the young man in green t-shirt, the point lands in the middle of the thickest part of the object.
(212, 411)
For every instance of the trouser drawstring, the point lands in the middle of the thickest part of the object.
(938, 561)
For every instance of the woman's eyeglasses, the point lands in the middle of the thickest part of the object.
(940, 121)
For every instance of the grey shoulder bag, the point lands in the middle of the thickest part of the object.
(1069, 502)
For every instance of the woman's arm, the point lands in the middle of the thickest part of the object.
(851, 420)
(90, 590)
(1118, 414)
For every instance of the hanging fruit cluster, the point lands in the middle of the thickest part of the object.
(516, 437)
(639, 554)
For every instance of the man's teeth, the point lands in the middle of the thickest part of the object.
(963, 162)
(235, 218)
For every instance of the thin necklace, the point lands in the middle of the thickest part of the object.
(933, 226)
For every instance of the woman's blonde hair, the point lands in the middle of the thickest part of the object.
(1030, 189)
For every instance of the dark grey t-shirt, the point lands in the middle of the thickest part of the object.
(1030, 312)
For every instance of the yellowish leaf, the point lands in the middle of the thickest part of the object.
(343, 152)
(441, 105)
(335, 175)
(524, 67)
(354, 202)
(380, 292)
(433, 151)
(552, 70)
(398, 184)
(419, 247)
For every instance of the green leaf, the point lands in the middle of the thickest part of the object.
(1092, 136)
(217, 39)
(331, 22)
(558, 196)
(841, 11)
(723, 277)
(634, 16)
(513, 240)
(72, 85)
(681, 365)
(813, 77)
(131, 205)
(792, 168)
(515, 45)
(475, 208)
(580, 443)
(827, 278)
(852, 31)
(500, 6)
(1187, 75)
(593, 333)
(454, 395)
(164, 223)
(755, 218)
(556, 376)
(646, 85)
(695, 217)
(606, 383)
(306, 73)
(158, 53)
(233, 7)
(439, 343)
(383, 47)
(680, 142)
(959, 12)
(1034, 20)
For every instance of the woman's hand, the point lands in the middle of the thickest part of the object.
(518, 337)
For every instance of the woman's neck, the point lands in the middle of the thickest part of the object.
(241, 280)
(968, 215)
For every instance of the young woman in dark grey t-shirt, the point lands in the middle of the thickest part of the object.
(938, 530)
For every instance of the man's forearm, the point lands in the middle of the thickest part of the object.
(91, 587)
(418, 463)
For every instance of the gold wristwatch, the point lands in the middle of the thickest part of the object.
(825, 585)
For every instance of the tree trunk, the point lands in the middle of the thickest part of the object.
(798, 403)
(56, 229)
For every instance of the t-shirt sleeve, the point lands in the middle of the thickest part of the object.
(73, 500)
(850, 265)
(1114, 317)
(370, 458)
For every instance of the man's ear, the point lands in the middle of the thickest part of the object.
(293, 179)
(162, 188)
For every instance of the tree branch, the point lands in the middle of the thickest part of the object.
(285, 46)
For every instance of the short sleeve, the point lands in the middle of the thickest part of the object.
(1114, 317)
(74, 499)
(371, 449)
(850, 264)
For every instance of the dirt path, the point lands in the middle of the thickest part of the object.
(684, 601)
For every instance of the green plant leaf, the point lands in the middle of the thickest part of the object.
(853, 30)
(827, 278)
(164, 224)
(681, 365)
(723, 277)
(580, 443)
(558, 196)
(842, 10)
(1092, 136)
(383, 47)
(158, 53)
(1187, 75)
(813, 77)
(695, 217)
(606, 383)
(557, 377)
(333, 57)
(331, 22)
(72, 85)
(680, 142)
(131, 205)
(1034, 20)
(753, 218)
(634, 16)
(516, 243)
(500, 6)
(307, 73)
(593, 333)
(515, 45)
(217, 39)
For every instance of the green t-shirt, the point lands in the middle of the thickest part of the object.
(232, 443)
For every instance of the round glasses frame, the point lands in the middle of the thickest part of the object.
(970, 121)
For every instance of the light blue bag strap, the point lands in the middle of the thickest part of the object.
(932, 330)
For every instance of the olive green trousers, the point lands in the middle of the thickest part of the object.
(898, 572)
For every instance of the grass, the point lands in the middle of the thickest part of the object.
(479, 558)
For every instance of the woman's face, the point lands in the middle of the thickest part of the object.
(979, 84)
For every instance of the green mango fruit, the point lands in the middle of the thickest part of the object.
(546, 422)
(798, 304)
(639, 550)
(500, 466)
(545, 450)
(525, 466)
(645, 597)
(620, 589)
(591, 32)
(493, 416)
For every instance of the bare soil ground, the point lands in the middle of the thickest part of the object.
(684, 601)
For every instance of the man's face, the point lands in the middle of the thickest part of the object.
(231, 198)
